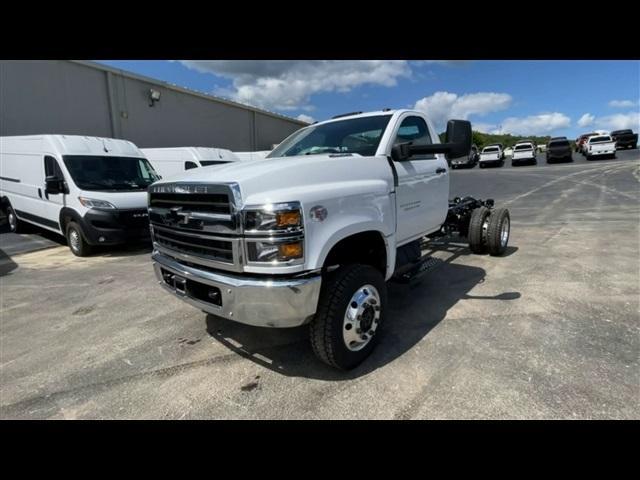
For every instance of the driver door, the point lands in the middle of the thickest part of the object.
(52, 203)
(422, 195)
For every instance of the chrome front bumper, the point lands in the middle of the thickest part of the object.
(262, 302)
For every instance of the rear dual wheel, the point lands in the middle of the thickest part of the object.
(489, 230)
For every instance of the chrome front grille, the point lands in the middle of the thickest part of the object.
(197, 223)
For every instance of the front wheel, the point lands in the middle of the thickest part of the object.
(350, 310)
(15, 225)
(77, 243)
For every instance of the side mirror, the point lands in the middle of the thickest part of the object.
(457, 141)
(401, 152)
(53, 185)
(459, 137)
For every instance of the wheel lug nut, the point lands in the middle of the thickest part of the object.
(358, 330)
(371, 332)
(373, 301)
(354, 304)
(364, 337)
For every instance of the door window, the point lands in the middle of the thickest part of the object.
(414, 130)
(51, 168)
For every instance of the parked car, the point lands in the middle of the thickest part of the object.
(600, 145)
(581, 140)
(469, 161)
(491, 155)
(524, 153)
(625, 138)
(173, 160)
(559, 150)
(91, 190)
(312, 235)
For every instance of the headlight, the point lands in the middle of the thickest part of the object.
(275, 218)
(92, 203)
(274, 251)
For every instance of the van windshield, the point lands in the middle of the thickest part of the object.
(93, 172)
(358, 135)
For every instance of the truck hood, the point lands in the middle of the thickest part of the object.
(286, 179)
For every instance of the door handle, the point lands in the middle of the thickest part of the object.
(40, 193)
(441, 170)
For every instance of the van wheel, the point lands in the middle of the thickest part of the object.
(15, 225)
(350, 310)
(498, 230)
(77, 243)
(477, 228)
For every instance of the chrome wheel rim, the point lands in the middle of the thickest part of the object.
(74, 240)
(504, 233)
(361, 318)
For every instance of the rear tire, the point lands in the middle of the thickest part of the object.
(338, 321)
(77, 243)
(476, 227)
(498, 231)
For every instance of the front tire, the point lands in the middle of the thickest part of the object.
(350, 310)
(15, 225)
(77, 243)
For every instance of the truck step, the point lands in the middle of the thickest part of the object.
(418, 270)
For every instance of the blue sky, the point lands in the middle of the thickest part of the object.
(520, 97)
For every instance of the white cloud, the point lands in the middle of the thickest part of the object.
(485, 127)
(306, 118)
(541, 124)
(442, 106)
(288, 84)
(586, 120)
(622, 103)
(619, 121)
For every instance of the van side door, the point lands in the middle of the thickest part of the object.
(422, 195)
(52, 203)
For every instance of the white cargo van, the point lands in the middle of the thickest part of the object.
(91, 190)
(172, 161)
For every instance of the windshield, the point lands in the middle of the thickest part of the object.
(490, 150)
(526, 146)
(359, 136)
(559, 143)
(92, 172)
(599, 139)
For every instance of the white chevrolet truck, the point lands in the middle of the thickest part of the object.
(311, 234)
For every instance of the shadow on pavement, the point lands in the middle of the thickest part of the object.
(6, 264)
(411, 314)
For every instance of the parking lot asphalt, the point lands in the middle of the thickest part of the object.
(550, 330)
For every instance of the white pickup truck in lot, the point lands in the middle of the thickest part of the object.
(312, 234)
(524, 152)
(600, 145)
(491, 155)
